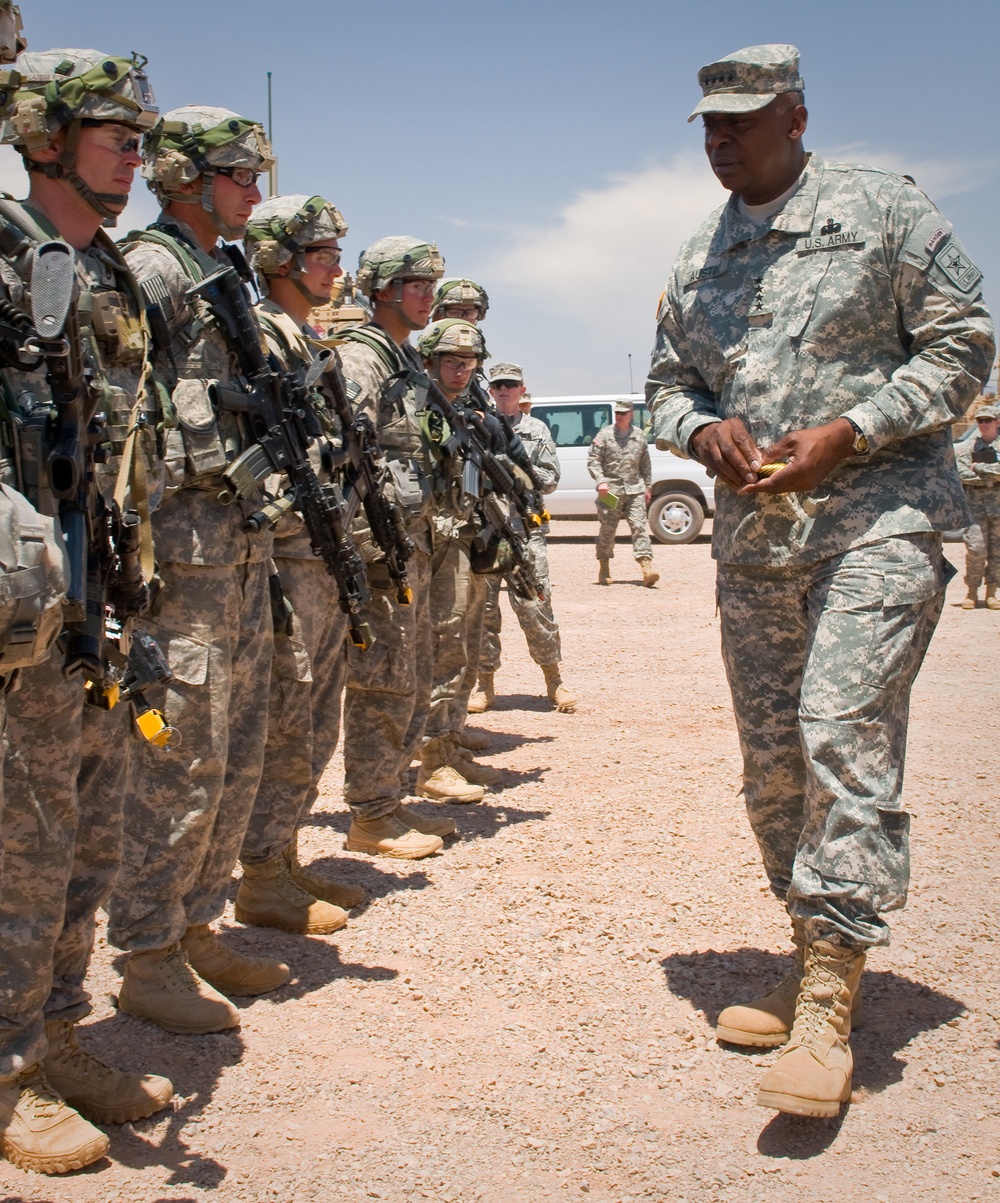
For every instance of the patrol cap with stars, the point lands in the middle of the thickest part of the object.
(623, 405)
(506, 371)
(748, 79)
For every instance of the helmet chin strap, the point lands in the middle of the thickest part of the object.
(65, 169)
(397, 306)
(295, 274)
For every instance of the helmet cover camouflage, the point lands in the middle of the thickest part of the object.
(398, 257)
(282, 226)
(457, 291)
(452, 336)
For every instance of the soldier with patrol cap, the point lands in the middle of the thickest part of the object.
(817, 336)
(535, 616)
(294, 248)
(211, 611)
(389, 686)
(619, 461)
(979, 467)
(77, 121)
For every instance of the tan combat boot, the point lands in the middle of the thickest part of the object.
(439, 781)
(992, 603)
(766, 1022)
(474, 741)
(233, 973)
(564, 701)
(812, 1076)
(39, 1131)
(465, 766)
(392, 836)
(604, 572)
(98, 1091)
(268, 897)
(972, 599)
(484, 697)
(308, 878)
(649, 577)
(425, 824)
(161, 986)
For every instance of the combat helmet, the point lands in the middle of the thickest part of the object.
(61, 89)
(457, 291)
(398, 257)
(452, 336)
(280, 229)
(201, 140)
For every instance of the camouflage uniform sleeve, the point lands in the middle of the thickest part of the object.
(546, 461)
(145, 260)
(947, 325)
(677, 396)
(360, 367)
(595, 464)
(963, 458)
(645, 466)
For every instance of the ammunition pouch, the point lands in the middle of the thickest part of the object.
(33, 574)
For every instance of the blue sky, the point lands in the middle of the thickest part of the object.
(544, 145)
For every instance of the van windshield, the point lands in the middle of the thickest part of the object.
(576, 425)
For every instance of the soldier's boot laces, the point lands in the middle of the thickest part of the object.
(439, 781)
(99, 1092)
(972, 598)
(604, 572)
(233, 973)
(391, 835)
(161, 985)
(766, 1022)
(649, 577)
(473, 741)
(40, 1131)
(484, 697)
(268, 897)
(465, 766)
(425, 824)
(308, 878)
(812, 1075)
(992, 603)
(565, 702)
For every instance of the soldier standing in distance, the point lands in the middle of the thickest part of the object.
(828, 320)
(77, 122)
(535, 616)
(619, 461)
(979, 467)
(294, 248)
(187, 813)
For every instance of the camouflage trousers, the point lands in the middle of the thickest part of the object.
(982, 538)
(821, 661)
(186, 812)
(458, 596)
(631, 507)
(64, 780)
(388, 696)
(541, 631)
(303, 719)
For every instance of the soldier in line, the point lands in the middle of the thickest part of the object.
(619, 461)
(389, 686)
(863, 336)
(452, 351)
(979, 469)
(536, 617)
(77, 122)
(187, 813)
(294, 247)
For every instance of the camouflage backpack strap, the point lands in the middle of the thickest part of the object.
(287, 334)
(382, 345)
(195, 263)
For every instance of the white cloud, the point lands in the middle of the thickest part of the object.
(937, 177)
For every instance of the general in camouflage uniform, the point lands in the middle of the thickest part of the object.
(979, 468)
(389, 685)
(619, 461)
(536, 617)
(77, 122)
(294, 247)
(826, 319)
(187, 813)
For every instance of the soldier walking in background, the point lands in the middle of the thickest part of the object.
(619, 461)
(816, 338)
(979, 467)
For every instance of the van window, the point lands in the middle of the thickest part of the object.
(644, 419)
(573, 425)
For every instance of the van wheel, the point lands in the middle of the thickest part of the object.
(675, 518)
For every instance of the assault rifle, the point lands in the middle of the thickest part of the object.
(361, 467)
(279, 411)
(102, 543)
(515, 449)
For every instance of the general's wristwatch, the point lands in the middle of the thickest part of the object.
(860, 444)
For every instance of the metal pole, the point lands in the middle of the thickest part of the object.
(272, 175)
(630, 388)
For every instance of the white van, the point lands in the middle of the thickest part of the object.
(683, 492)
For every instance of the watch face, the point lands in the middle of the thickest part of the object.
(861, 445)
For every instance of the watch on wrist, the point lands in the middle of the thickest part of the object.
(860, 445)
